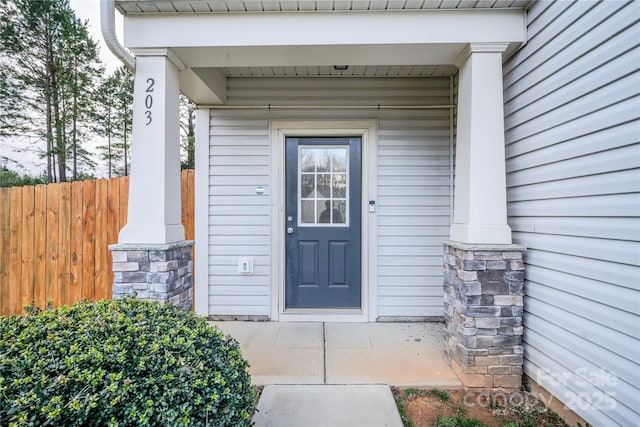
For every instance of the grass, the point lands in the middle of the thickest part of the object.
(458, 422)
(442, 395)
(404, 417)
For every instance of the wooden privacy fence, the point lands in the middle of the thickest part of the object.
(54, 238)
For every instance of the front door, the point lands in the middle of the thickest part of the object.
(323, 199)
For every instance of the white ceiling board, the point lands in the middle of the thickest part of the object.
(150, 6)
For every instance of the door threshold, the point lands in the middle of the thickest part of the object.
(323, 315)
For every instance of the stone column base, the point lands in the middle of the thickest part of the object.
(483, 309)
(154, 272)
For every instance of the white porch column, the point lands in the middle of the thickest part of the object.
(480, 204)
(154, 215)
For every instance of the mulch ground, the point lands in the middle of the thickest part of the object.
(428, 408)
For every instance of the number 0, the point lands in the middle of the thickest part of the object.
(148, 101)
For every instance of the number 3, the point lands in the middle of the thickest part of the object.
(148, 115)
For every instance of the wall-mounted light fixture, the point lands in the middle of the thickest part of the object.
(340, 67)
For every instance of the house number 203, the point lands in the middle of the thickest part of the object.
(148, 100)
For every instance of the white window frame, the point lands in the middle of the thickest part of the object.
(300, 198)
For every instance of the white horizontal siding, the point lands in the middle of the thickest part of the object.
(413, 205)
(238, 217)
(330, 91)
(572, 117)
(413, 210)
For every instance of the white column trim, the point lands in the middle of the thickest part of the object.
(160, 52)
(479, 48)
(201, 262)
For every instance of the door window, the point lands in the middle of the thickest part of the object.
(323, 185)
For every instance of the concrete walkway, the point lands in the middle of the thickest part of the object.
(338, 374)
(400, 354)
(327, 406)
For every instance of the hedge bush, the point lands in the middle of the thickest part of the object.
(120, 363)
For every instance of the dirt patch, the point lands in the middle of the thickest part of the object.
(429, 408)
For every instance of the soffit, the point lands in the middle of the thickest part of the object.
(235, 6)
(351, 71)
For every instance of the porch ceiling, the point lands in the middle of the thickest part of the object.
(351, 71)
(215, 40)
(207, 85)
(239, 6)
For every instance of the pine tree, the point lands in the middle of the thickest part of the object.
(113, 120)
(48, 63)
(82, 71)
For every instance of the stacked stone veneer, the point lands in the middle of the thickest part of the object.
(154, 272)
(483, 309)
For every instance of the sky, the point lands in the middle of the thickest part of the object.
(90, 10)
(28, 161)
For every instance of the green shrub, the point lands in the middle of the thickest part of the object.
(120, 363)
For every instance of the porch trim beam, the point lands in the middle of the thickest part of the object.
(204, 86)
(327, 107)
(316, 29)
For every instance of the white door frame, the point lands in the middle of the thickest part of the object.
(368, 131)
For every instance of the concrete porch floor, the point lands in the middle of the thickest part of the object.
(400, 354)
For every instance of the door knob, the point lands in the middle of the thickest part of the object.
(290, 230)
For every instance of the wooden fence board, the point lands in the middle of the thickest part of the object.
(183, 201)
(4, 250)
(188, 215)
(51, 275)
(64, 242)
(28, 234)
(40, 246)
(15, 250)
(113, 227)
(76, 252)
(113, 210)
(54, 240)
(124, 201)
(89, 240)
(188, 188)
(101, 249)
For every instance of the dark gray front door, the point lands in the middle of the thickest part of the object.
(323, 198)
